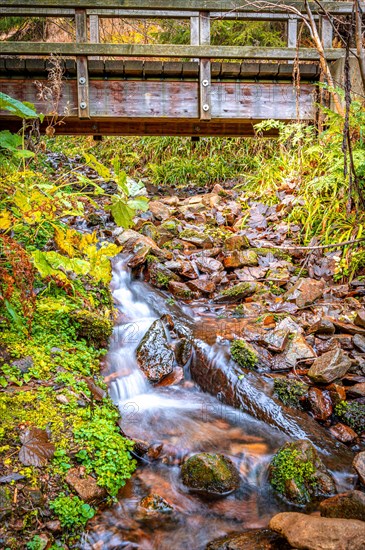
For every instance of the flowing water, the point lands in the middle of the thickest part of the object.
(176, 421)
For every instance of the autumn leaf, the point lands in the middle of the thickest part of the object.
(36, 449)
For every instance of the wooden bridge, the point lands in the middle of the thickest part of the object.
(151, 89)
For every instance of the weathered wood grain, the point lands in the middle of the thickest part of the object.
(166, 51)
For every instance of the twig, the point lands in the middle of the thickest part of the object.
(319, 247)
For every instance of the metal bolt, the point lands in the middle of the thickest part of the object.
(205, 83)
(82, 80)
(206, 107)
(83, 105)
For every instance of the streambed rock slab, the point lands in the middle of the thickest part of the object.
(213, 474)
(305, 292)
(349, 505)
(316, 533)
(359, 465)
(330, 366)
(154, 356)
(254, 539)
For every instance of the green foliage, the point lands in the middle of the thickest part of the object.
(244, 354)
(71, 511)
(288, 465)
(106, 452)
(93, 327)
(37, 543)
(289, 391)
(352, 413)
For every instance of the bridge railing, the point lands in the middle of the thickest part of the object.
(87, 14)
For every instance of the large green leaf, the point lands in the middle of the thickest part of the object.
(18, 108)
(139, 203)
(122, 213)
(10, 141)
(99, 168)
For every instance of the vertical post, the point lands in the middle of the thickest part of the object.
(326, 32)
(94, 31)
(205, 73)
(292, 32)
(81, 66)
(194, 32)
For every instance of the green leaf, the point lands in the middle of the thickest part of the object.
(18, 108)
(139, 203)
(122, 213)
(10, 141)
(99, 168)
(134, 187)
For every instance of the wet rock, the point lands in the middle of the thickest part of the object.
(360, 318)
(180, 290)
(290, 325)
(320, 404)
(359, 466)
(183, 351)
(254, 539)
(161, 276)
(278, 275)
(305, 532)
(359, 342)
(155, 503)
(236, 242)
(203, 285)
(350, 328)
(209, 265)
(154, 356)
(290, 392)
(240, 258)
(298, 350)
(187, 270)
(210, 474)
(343, 433)
(154, 510)
(358, 390)
(323, 326)
(132, 242)
(160, 210)
(23, 364)
(251, 273)
(330, 366)
(350, 505)
(305, 292)
(337, 393)
(195, 237)
(277, 340)
(238, 292)
(298, 474)
(85, 486)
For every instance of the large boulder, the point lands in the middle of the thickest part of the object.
(298, 474)
(155, 357)
(210, 474)
(330, 366)
(350, 505)
(316, 533)
(254, 539)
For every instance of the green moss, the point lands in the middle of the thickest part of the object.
(352, 414)
(244, 354)
(236, 290)
(288, 466)
(210, 473)
(162, 280)
(94, 328)
(289, 391)
(280, 254)
(191, 234)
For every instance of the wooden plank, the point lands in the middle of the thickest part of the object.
(168, 50)
(94, 31)
(183, 5)
(205, 73)
(163, 100)
(153, 68)
(171, 68)
(292, 33)
(82, 70)
(326, 32)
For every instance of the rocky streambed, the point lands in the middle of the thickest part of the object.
(213, 296)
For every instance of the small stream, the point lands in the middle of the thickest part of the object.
(177, 421)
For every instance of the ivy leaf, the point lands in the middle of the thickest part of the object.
(140, 203)
(36, 449)
(122, 213)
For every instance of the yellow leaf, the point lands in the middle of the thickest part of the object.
(5, 220)
(65, 241)
(87, 239)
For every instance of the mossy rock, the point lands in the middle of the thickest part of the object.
(279, 254)
(352, 413)
(238, 292)
(298, 474)
(290, 392)
(244, 354)
(94, 328)
(211, 474)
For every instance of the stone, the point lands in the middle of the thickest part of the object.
(154, 510)
(330, 366)
(359, 466)
(359, 342)
(297, 473)
(180, 290)
(131, 241)
(358, 390)
(54, 526)
(210, 474)
(298, 350)
(343, 433)
(154, 356)
(183, 351)
(290, 325)
(203, 285)
(276, 340)
(208, 265)
(236, 242)
(94, 328)
(160, 210)
(195, 237)
(85, 486)
(337, 393)
(305, 292)
(320, 404)
(323, 326)
(23, 364)
(240, 258)
(161, 276)
(349, 505)
(254, 539)
(305, 532)
(360, 318)
(238, 292)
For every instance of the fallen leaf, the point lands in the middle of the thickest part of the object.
(36, 449)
